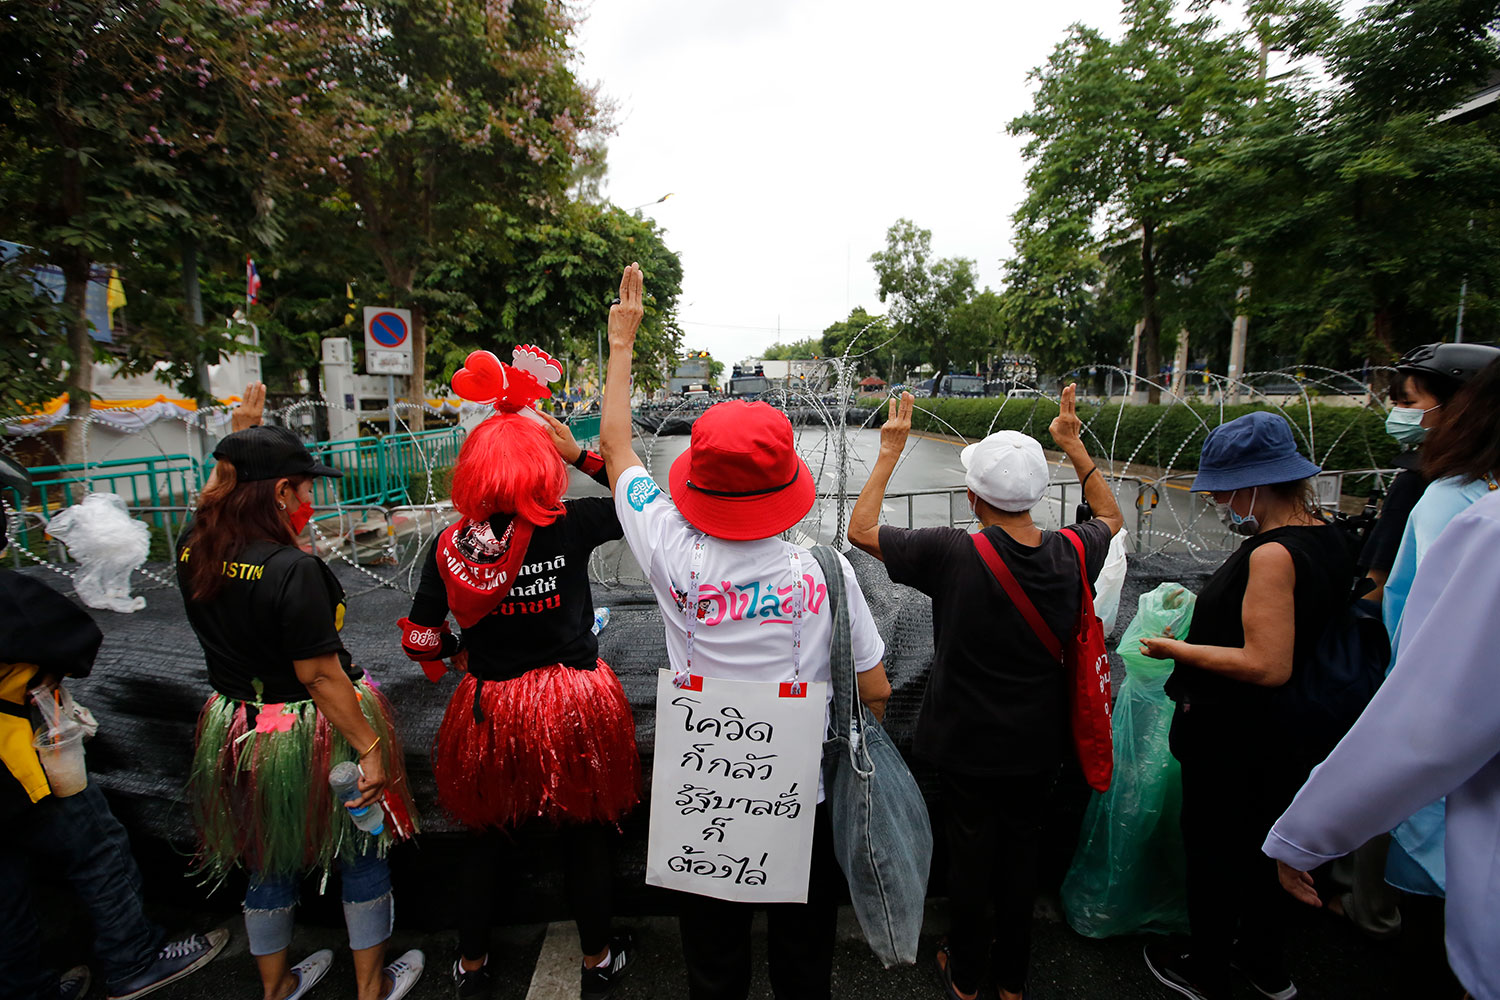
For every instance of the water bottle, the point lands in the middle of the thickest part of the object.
(344, 780)
(601, 619)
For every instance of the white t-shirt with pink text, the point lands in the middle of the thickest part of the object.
(745, 595)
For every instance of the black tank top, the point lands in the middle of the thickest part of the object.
(1324, 563)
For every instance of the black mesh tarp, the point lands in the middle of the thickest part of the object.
(149, 684)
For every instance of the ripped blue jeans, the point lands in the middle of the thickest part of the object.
(369, 907)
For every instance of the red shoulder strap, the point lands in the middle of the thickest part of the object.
(1012, 588)
(1086, 609)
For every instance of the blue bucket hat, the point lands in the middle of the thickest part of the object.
(1254, 450)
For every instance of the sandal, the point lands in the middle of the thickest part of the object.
(945, 975)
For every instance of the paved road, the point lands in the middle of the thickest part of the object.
(538, 962)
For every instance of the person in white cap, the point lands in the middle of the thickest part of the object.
(994, 717)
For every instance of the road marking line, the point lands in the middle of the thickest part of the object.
(558, 965)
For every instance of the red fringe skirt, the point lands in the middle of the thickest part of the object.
(555, 743)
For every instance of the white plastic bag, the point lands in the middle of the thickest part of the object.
(1111, 582)
(108, 545)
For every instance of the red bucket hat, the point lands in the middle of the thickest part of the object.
(741, 478)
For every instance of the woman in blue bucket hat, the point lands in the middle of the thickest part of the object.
(1256, 622)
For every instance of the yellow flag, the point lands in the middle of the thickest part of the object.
(349, 302)
(114, 296)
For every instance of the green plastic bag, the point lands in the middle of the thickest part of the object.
(1128, 874)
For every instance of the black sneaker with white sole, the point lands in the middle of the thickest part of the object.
(1172, 966)
(475, 985)
(1277, 986)
(599, 980)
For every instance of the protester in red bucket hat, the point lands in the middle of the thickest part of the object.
(706, 549)
(742, 478)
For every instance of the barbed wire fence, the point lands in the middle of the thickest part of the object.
(828, 423)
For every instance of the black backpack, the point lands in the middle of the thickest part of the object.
(1325, 697)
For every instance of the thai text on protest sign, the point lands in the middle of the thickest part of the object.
(734, 788)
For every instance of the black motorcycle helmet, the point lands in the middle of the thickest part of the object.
(1444, 368)
(14, 476)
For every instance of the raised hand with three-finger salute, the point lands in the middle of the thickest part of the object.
(897, 426)
(251, 410)
(1067, 433)
(626, 311)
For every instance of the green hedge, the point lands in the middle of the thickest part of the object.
(442, 484)
(1164, 436)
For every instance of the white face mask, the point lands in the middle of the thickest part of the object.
(1247, 524)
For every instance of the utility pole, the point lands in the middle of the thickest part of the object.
(1463, 294)
(194, 296)
(1180, 364)
(1135, 361)
(1240, 332)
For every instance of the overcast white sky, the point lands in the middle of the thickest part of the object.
(792, 133)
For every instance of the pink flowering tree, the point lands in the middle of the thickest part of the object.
(132, 131)
(466, 116)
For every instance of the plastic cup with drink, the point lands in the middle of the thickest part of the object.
(60, 750)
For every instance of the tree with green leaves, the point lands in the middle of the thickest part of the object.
(552, 282)
(473, 121)
(1367, 208)
(1115, 132)
(798, 350)
(978, 328)
(867, 339)
(923, 292)
(135, 130)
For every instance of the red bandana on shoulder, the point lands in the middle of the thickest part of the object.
(479, 569)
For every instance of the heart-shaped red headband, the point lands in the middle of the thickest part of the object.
(484, 378)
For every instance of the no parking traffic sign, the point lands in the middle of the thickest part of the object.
(387, 341)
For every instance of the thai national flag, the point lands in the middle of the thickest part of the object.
(252, 281)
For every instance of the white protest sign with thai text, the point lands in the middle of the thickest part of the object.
(734, 787)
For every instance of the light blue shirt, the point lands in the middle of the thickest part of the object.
(1442, 502)
(1433, 729)
(1419, 865)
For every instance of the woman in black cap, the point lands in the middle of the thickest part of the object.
(1256, 622)
(288, 705)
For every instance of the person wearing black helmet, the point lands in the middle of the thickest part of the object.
(1461, 459)
(1427, 378)
(45, 637)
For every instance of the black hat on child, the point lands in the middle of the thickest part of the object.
(265, 452)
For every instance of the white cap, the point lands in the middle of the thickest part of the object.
(1007, 470)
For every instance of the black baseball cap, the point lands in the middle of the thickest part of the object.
(265, 452)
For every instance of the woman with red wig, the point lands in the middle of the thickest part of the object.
(539, 729)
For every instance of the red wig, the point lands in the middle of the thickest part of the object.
(509, 466)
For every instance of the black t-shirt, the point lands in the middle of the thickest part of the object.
(1324, 568)
(278, 604)
(548, 616)
(996, 702)
(1385, 537)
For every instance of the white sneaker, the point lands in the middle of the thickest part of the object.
(404, 973)
(308, 971)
